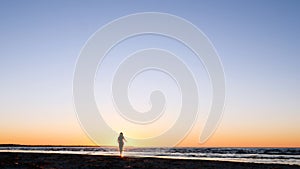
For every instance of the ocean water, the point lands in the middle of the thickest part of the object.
(250, 155)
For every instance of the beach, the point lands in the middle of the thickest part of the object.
(44, 160)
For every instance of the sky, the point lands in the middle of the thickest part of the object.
(258, 43)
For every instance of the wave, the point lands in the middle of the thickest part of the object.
(253, 155)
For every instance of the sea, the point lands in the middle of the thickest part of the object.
(248, 155)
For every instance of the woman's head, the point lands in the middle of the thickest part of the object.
(121, 133)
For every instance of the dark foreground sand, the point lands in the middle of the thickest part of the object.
(34, 160)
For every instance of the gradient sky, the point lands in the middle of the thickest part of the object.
(258, 43)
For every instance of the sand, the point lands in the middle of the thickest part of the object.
(36, 160)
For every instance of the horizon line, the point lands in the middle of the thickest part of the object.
(61, 145)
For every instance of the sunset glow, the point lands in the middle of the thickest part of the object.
(257, 42)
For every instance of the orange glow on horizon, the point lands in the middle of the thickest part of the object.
(219, 139)
(225, 136)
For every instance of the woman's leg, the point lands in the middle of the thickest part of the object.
(121, 148)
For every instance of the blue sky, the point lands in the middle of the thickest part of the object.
(258, 43)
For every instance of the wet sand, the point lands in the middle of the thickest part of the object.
(47, 161)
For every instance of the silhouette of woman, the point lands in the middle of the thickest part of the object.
(121, 140)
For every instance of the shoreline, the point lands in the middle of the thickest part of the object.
(41, 160)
